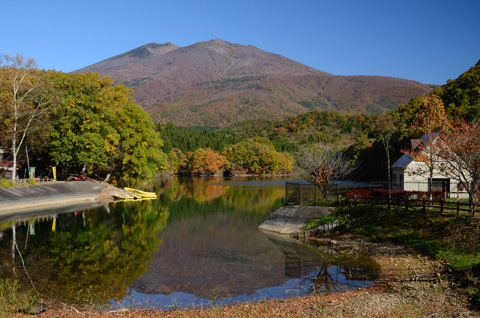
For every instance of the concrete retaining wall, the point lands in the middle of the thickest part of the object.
(45, 195)
(291, 218)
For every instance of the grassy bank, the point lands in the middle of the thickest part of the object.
(454, 240)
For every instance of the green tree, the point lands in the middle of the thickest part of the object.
(257, 156)
(99, 130)
(25, 97)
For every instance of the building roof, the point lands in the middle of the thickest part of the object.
(403, 162)
(405, 159)
(6, 164)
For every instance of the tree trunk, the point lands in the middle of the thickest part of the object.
(389, 178)
(474, 198)
(14, 241)
(14, 152)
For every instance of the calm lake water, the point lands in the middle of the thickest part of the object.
(198, 244)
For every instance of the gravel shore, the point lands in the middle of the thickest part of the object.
(410, 285)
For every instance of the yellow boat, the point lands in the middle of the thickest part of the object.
(145, 193)
(142, 194)
(122, 196)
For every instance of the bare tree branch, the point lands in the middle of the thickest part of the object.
(322, 167)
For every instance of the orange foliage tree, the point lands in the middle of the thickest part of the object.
(429, 121)
(459, 150)
(205, 162)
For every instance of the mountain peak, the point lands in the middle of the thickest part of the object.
(215, 83)
(149, 49)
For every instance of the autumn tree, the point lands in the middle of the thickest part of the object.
(205, 162)
(100, 131)
(257, 156)
(25, 97)
(323, 167)
(429, 121)
(459, 149)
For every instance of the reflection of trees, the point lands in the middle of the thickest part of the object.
(204, 196)
(333, 270)
(329, 281)
(93, 256)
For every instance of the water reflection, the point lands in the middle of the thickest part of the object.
(322, 268)
(197, 244)
(85, 257)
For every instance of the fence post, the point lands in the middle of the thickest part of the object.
(458, 208)
(424, 206)
(441, 206)
(300, 203)
(355, 200)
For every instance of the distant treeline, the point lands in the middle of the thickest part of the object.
(88, 125)
(356, 135)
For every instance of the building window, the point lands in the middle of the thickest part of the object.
(442, 185)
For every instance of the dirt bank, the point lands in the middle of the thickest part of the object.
(410, 285)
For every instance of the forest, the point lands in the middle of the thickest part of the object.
(87, 125)
(357, 136)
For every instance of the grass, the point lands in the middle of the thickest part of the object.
(455, 240)
(14, 300)
(324, 219)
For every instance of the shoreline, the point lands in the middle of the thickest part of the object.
(31, 198)
(409, 285)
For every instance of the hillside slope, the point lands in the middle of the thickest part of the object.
(217, 83)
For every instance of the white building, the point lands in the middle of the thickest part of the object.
(6, 167)
(411, 175)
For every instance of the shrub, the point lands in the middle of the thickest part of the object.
(13, 300)
(396, 195)
(4, 183)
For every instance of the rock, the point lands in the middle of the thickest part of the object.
(36, 309)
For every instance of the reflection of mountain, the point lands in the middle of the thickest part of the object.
(204, 256)
(230, 257)
(210, 248)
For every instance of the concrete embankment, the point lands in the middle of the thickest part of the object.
(24, 198)
(291, 218)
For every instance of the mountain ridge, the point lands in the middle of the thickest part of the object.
(216, 83)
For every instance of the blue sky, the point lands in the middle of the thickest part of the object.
(422, 40)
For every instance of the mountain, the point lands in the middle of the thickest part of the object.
(217, 83)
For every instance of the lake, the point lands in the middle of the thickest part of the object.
(197, 245)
